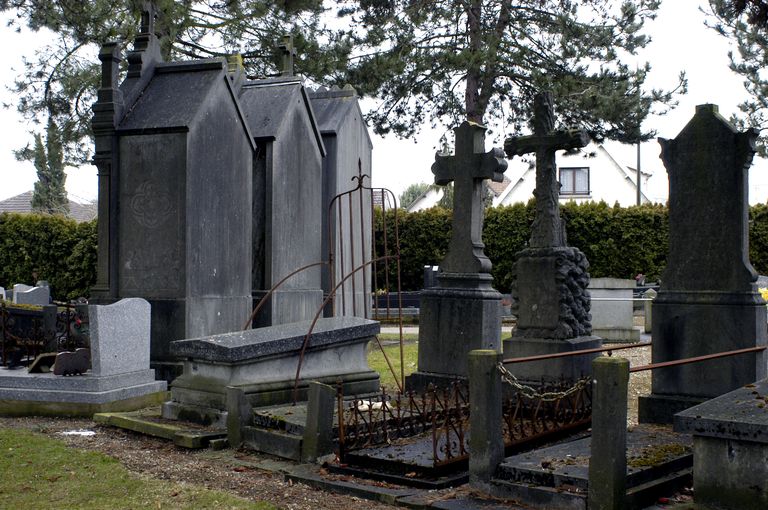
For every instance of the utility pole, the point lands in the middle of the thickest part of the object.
(638, 173)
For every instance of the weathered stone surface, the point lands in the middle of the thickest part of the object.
(486, 443)
(708, 301)
(120, 336)
(285, 338)
(730, 448)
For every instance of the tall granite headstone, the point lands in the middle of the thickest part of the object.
(551, 279)
(708, 300)
(463, 312)
(348, 226)
(174, 155)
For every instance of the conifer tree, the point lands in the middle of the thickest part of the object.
(49, 195)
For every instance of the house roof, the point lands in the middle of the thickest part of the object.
(497, 188)
(23, 204)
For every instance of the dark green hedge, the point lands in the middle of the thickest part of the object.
(618, 242)
(60, 250)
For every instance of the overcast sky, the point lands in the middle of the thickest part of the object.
(680, 42)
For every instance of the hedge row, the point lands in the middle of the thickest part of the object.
(618, 242)
(58, 249)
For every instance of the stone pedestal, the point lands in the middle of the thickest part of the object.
(694, 324)
(552, 306)
(459, 316)
(730, 449)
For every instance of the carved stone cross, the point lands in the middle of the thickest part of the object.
(467, 168)
(547, 230)
(289, 52)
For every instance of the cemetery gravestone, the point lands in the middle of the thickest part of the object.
(26, 295)
(463, 312)
(174, 155)
(708, 300)
(612, 309)
(551, 279)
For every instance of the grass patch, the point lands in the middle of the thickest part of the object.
(378, 363)
(39, 472)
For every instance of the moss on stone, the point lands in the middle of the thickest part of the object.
(657, 454)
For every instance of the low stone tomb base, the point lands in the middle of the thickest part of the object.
(263, 362)
(730, 448)
(690, 324)
(611, 309)
(569, 368)
(25, 394)
(461, 315)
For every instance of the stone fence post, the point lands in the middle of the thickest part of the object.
(486, 444)
(648, 306)
(608, 457)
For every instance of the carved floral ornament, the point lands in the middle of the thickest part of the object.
(150, 204)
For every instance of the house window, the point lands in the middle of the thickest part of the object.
(574, 181)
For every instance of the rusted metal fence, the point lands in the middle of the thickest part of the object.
(26, 332)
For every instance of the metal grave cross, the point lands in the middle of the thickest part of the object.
(467, 168)
(547, 229)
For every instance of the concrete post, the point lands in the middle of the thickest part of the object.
(239, 413)
(486, 444)
(318, 430)
(608, 457)
(649, 294)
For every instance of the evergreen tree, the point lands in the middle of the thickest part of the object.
(431, 61)
(49, 195)
(61, 79)
(746, 22)
(412, 192)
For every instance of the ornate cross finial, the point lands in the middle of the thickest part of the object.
(148, 15)
(468, 167)
(547, 229)
(289, 52)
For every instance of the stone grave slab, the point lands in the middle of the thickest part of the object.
(730, 448)
(123, 383)
(654, 453)
(263, 362)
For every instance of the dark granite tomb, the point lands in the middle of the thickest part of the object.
(175, 169)
(708, 300)
(287, 203)
(348, 151)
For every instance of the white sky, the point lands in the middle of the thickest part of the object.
(680, 42)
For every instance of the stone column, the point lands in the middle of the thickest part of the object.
(486, 443)
(608, 458)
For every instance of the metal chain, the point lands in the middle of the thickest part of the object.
(529, 392)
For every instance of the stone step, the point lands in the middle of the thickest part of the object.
(274, 442)
(149, 422)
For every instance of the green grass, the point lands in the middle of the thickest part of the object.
(39, 472)
(378, 363)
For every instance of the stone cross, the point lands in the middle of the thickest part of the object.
(547, 229)
(289, 52)
(467, 168)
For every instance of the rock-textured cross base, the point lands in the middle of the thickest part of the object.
(552, 304)
(462, 314)
(262, 363)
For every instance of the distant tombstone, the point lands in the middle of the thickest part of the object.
(549, 292)
(708, 300)
(26, 295)
(463, 312)
(174, 156)
(2, 293)
(348, 153)
(287, 210)
(430, 276)
(612, 309)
